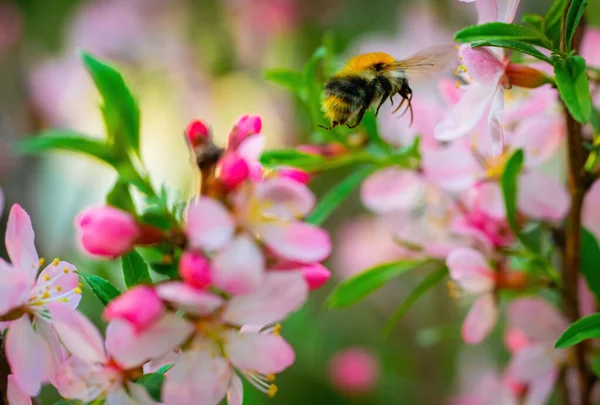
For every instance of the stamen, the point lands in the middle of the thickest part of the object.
(55, 261)
(457, 84)
(66, 270)
(42, 261)
(58, 288)
(77, 290)
(80, 285)
(270, 377)
(46, 277)
(46, 295)
(272, 390)
(277, 329)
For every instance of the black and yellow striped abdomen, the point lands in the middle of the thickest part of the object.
(344, 96)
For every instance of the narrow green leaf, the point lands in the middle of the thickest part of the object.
(497, 31)
(369, 123)
(55, 139)
(102, 288)
(574, 15)
(535, 21)
(120, 197)
(337, 195)
(290, 157)
(587, 327)
(574, 88)
(509, 182)
(517, 46)
(158, 217)
(166, 269)
(595, 364)
(358, 287)
(120, 110)
(164, 368)
(590, 258)
(425, 285)
(153, 383)
(291, 79)
(554, 21)
(313, 86)
(135, 269)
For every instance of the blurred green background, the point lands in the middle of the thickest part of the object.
(205, 59)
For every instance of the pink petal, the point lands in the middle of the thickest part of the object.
(84, 381)
(532, 362)
(392, 189)
(495, 130)
(20, 242)
(77, 333)
(540, 137)
(265, 353)
(139, 395)
(251, 147)
(589, 47)
(490, 200)
(278, 295)
(464, 116)
(235, 393)
(25, 353)
(471, 270)
(533, 201)
(509, 13)
(540, 390)
(535, 317)
(480, 320)
(14, 287)
(297, 241)
(209, 224)
(14, 394)
(452, 167)
(240, 268)
(131, 349)
(482, 64)
(197, 375)
(55, 354)
(285, 197)
(189, 299)
(591, 213)
(487, 11)
(496, 388)
(61, 282)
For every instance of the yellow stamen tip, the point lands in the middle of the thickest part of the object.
(66, 270)
(55, 261)
(272, 390)
(58, 288)
(46, 277)
(80, 285)
(457, 84)
(46, 295)
(42, 261)
(270, 377)
(277, 329)
(77, 290)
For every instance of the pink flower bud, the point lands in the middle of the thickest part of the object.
(197, 133)
(354, 371)
(515, 340)
(233, 170)
(295, 174)
(107, 231)
(246, 126)
(194, 269)
(315, 275)
(139, 306)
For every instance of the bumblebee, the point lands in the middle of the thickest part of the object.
(370, 79)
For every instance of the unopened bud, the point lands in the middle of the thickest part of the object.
(197, 133)
(525, 76)
(246, 126)
(315, 275)
(295, 174)
(140, 306)
(194, 269)
(232, 170)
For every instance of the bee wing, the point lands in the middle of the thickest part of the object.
(423, 64)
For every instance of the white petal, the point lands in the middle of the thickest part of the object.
(392, 189)
(15, 395)
(235, 393)
(265, 353)
(533, 201)
(190, 299)
(480, 320)
(239, 269)
(471, 270)
(55, 354)
(285, 198)
(139, 395)
(14, 287)
(209, 224)
(296, 241)
(26, 355)
(19, 240)
(494, 125)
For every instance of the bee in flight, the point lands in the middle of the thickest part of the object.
(370, 79)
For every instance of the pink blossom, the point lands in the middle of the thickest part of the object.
(194, 269)
(232, 170)
(294, 173)
(197, 133)
(315, 275)
(495, 10)
(491, 390)
(140, 306)
(246, 126)
(107, 231)
(354, 371)
(14, 393)
(32, 349)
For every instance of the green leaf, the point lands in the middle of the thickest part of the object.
(427, 284)
(120, 197)
(313, 86)
(554, 21)
(517, 46)
(158, 217)
(509, 183)
(55, 139)
(574, 88)
(497, 31)
(291, 79)
(166, 269)
(595, 364)
(290, 157)
(337, 195)
(574, 15)
(153, 383)
(135, 269)
(120, 110)
(587, 327)
(358, 287)
(102, 288)
(535, 21)
(590, 257)
(164, 368)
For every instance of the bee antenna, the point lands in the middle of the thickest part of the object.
(326, 128)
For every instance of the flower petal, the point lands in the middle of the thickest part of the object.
(285, 197)
(198, 377)
(471, 270)
(139, 395)
(77, 333)
(532, 362)
(131, 348)
(19, 241)
(278, 295)
(540, 390)
(482, 64)
(495, 130)
(487, 11)
(14, 287)
(60, 282)
(262, 352)
(240, 268)
(533, 201)
(509, 13)
(480, 320)
(197, 302)
(452, 167)
(235, 393)
(251, 147)
(81, 380)
(392, 189)
(14, 393)
(297, 241)
(209, 224)
(537, 319)
(55, 353)
(540, 137)
(25, 354)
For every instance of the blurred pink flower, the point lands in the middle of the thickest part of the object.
(194, 269)
(10, 26)
(32, 348)
(354, 371)
(14, 393)
(495, 10)
(492, 390)
(140, 306)
(591, 213)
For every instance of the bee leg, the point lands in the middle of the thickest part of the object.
(383, 100)
(358, 118)
(335, 124)
(399, 105)
(412, 115)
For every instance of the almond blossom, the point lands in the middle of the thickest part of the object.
(32, 347)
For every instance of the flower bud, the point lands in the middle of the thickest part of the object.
(354, 371)
(197, 133)
(295, 174)
(515, 340)
(525, 76)
(107, 231)
(232, 170)
(140, 306)
(246, 126)
(315, 275)
(194, 269)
